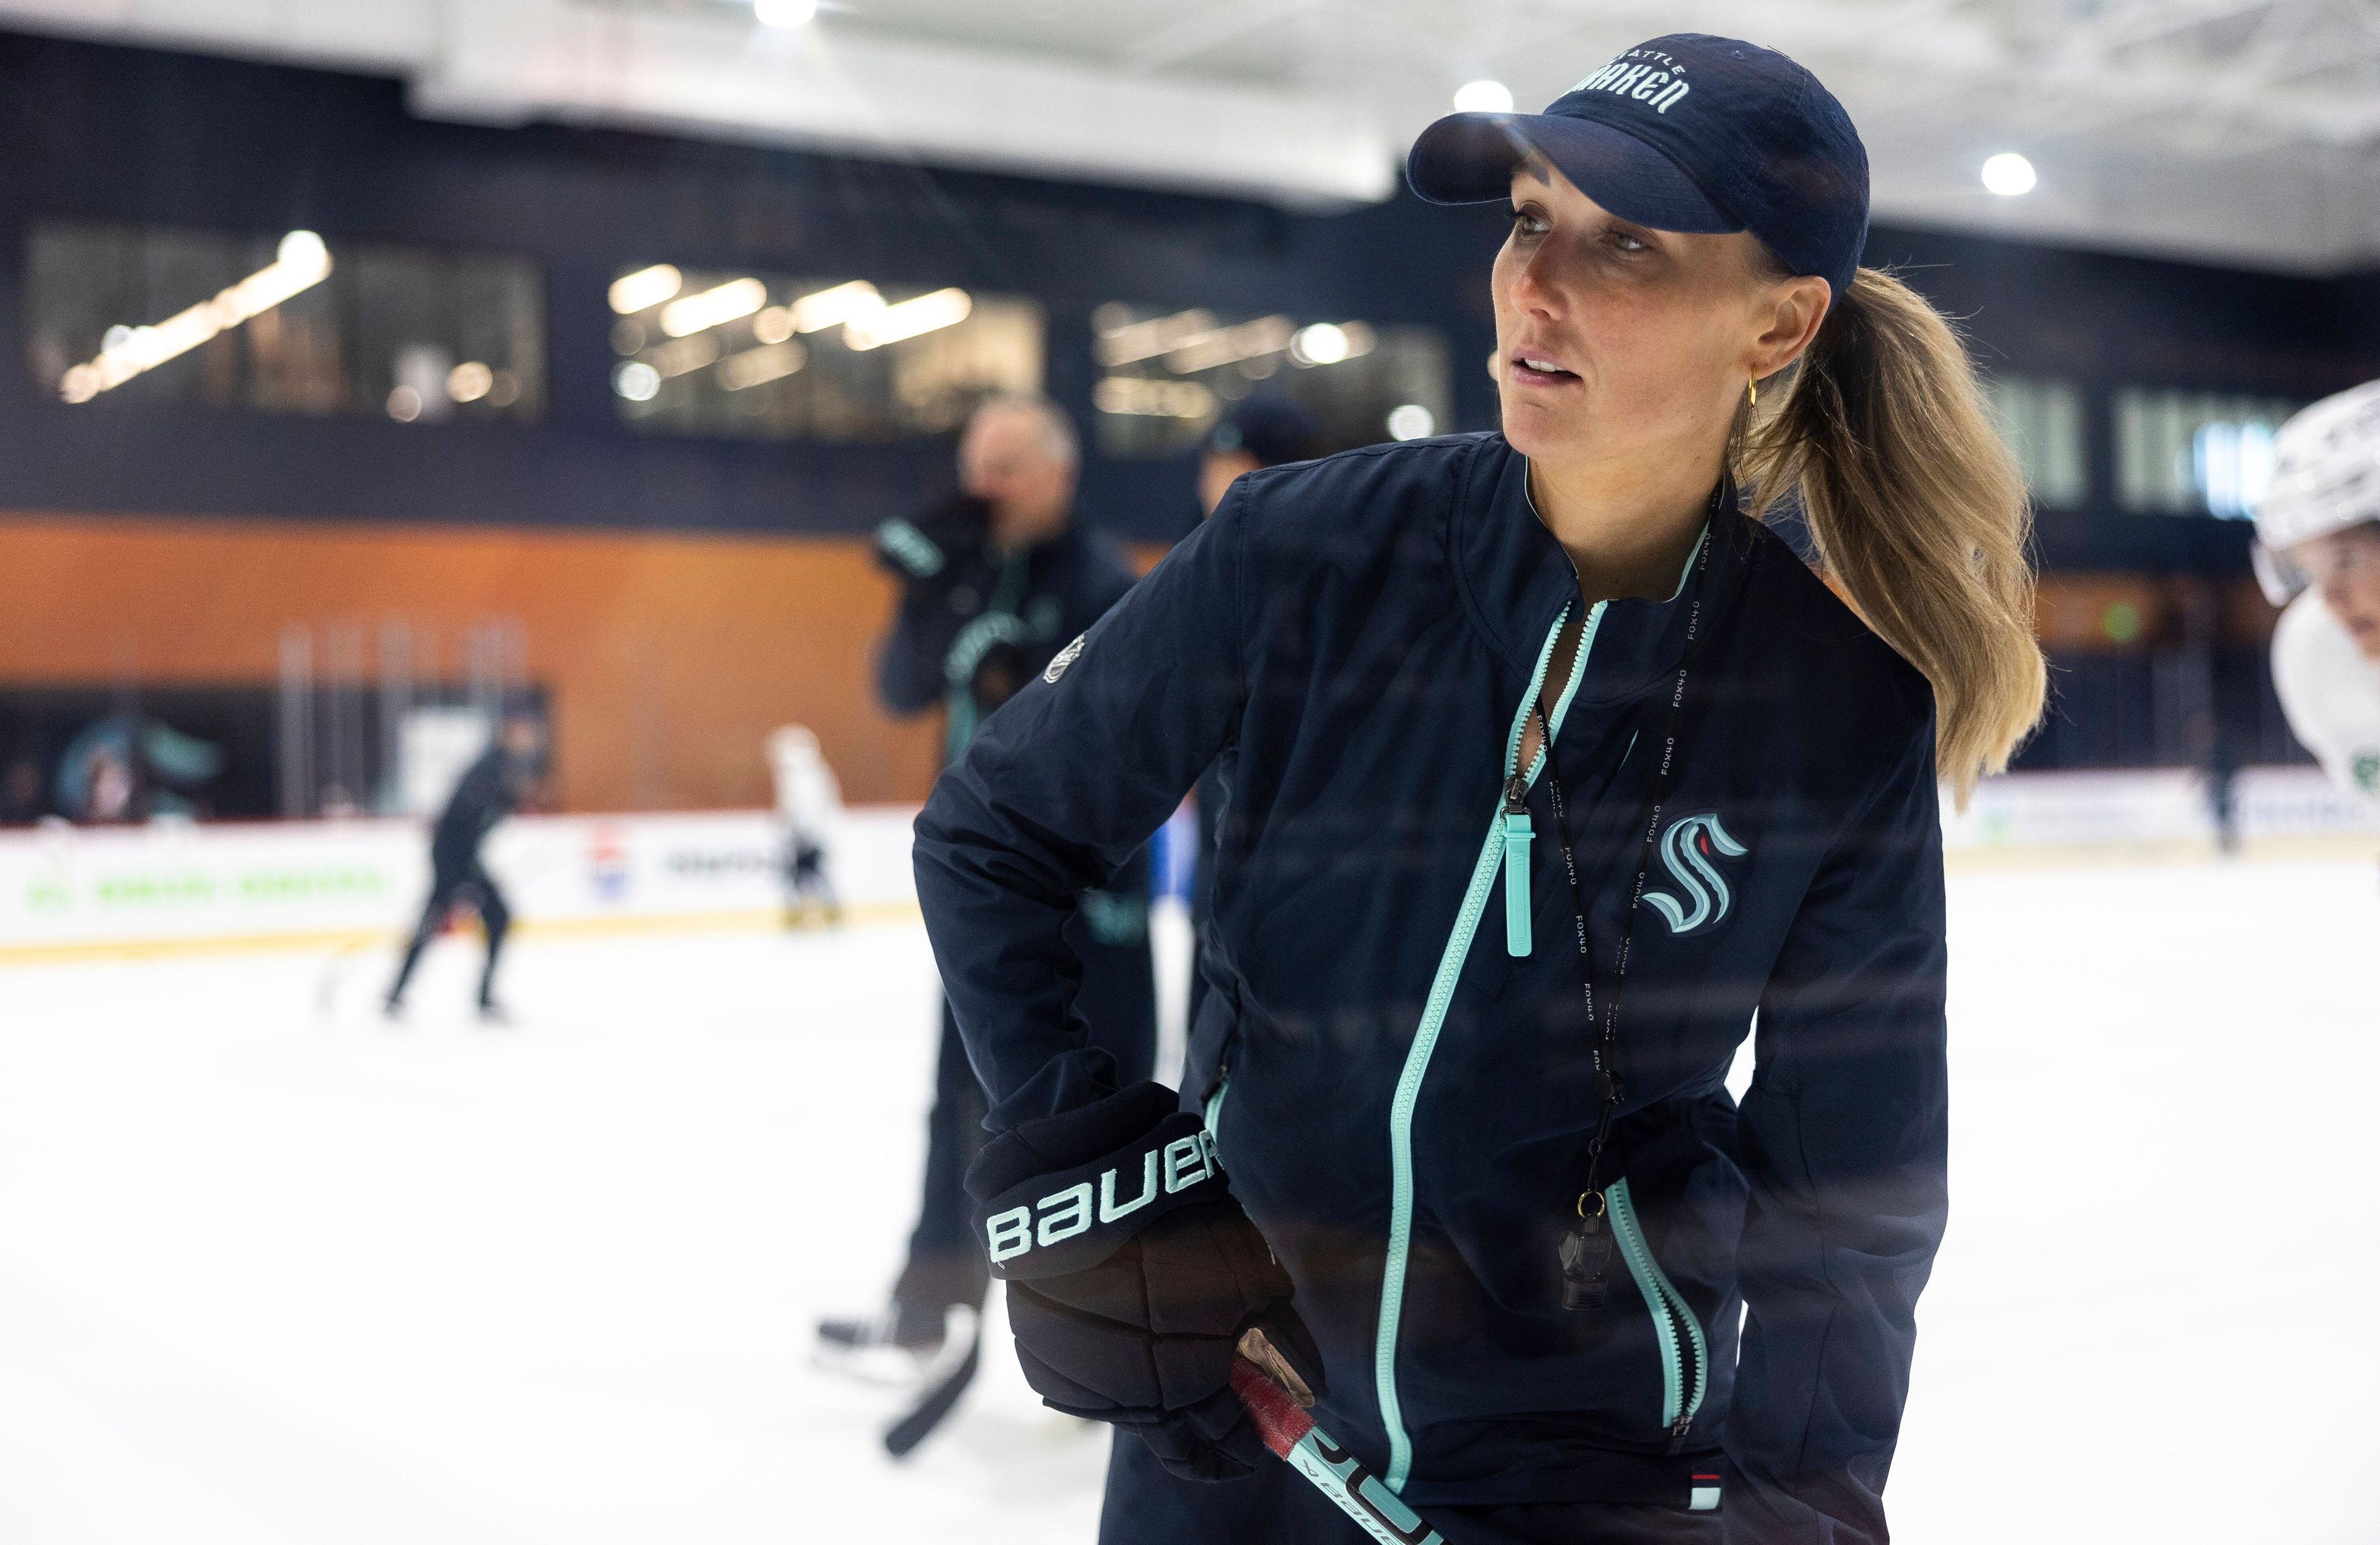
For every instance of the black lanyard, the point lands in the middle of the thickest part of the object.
(1586, 1251)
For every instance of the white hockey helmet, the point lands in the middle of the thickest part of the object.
(2325, 478)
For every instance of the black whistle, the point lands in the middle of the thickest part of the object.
(1585, 1252)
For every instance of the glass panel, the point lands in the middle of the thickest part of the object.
(285, 323)
(2195, 453)
(778, 358)
(1166, 375)
(2041, 422)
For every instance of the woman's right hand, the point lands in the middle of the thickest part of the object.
(1133, 1275)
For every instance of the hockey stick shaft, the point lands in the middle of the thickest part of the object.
(1337, 1474)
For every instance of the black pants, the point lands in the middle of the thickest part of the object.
(453, 880)
(1145, 1505)
(946, 1263)
(804, 875)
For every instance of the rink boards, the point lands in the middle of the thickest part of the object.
(69, 891)
(73, 891)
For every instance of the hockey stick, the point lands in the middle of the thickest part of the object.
(915, 1427)
(1337, 1474)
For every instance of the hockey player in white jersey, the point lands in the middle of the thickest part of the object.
(2318, 554)
(810, 804)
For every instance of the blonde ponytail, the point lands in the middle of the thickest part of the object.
(1918, 511)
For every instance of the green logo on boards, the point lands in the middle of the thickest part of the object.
(2365, 770)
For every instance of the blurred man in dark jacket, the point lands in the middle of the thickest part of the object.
(996, 583)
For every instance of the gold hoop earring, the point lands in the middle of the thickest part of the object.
(1751, 391)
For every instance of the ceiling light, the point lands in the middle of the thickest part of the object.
(907, 319)
(784, 13)
(1325, 343)
(756, 366)
(303, 250)
(300, 263)
(1412, 421)
(773, 325)
(722, 303)
(1228, 345)
(469, 381)
(1483, 96)
(2008, 175)
(833, 308)
(647, 286)
(637, 381)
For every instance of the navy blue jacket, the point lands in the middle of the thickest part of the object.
(1403, 1102)
(488, 791)
(975, 624)
(964, 606)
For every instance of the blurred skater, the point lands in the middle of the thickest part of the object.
(2318, 554)
(998, 586)
(810, 802)
(491, 790)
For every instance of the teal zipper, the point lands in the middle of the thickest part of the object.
(1492, 855)
(1517, 837)
(1673, 1322)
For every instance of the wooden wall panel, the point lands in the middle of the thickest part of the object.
(668, 658)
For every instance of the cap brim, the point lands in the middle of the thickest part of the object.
(1467, 158)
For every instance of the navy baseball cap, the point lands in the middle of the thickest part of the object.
(1684, 133)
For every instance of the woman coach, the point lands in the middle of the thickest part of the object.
(1467, 1157)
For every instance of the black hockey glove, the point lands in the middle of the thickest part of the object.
(1131, 1274)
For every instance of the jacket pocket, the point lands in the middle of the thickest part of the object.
(1686, 1351)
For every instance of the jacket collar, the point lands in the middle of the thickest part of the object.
(1515, 579)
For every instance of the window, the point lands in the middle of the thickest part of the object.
(2041, 422)
(1166, 375)
(285, 324)
(776, 358)
(2195, 453)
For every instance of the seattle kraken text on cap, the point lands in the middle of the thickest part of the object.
(1646, 74)
(1684, 133)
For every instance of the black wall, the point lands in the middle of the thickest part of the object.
(137, 134)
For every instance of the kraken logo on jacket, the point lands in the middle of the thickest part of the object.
(1688, 848)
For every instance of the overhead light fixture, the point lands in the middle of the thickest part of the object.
(469, 381)
(784, 13)
(2010, 174)
(1329, 343)
(927, 314)
(685, 356)
(646, 287)
(299, 263)
(1483, 96)
(637, 381)
(1151, 399)
(757, 366)
(707, 308)
(831, 308)
(774, 324)
(1123, 341)
(1230, 346)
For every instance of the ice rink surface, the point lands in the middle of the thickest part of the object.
(272, 1275)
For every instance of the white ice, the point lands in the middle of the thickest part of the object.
(273, 1276)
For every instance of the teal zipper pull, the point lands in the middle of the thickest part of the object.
(1517, 836)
